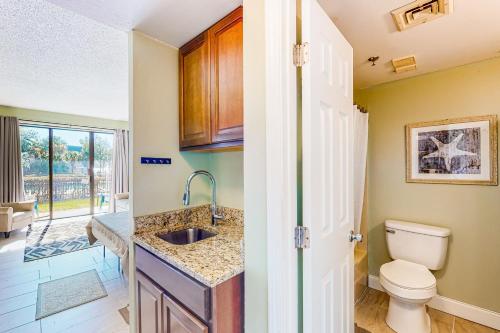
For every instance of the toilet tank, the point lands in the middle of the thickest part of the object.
(418, 243)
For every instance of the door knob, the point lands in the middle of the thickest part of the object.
(355, 237)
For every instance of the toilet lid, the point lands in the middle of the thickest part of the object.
(408, 275)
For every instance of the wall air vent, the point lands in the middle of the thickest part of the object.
(421, 11)
(404, 64)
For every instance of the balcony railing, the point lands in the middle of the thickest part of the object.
(66, 187)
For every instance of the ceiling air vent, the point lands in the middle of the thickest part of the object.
(404, 64)
(419, 12)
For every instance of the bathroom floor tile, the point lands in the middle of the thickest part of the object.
(465, 326)
(371, 311)
(440, 321)
(358, 329)
(376, 298)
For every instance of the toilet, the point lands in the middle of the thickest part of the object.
(416, 249)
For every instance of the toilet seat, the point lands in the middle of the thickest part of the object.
(408, 280)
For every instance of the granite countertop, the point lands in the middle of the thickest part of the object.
(210, 261)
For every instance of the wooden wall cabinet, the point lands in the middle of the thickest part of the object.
(211, 87)
(168, 301)
(194, 117)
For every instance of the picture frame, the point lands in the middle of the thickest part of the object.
(453, 151)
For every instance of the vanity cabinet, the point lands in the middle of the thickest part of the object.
(178, 320)
(211, 87)
(149, 305)
(169, 301)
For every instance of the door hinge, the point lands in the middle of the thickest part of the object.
(300, 54)
(302, 237)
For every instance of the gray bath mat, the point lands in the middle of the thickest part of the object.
(66, 293)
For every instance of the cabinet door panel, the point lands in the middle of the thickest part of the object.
(149, 306)
(194, 76)
(179, 320)
(226, 45)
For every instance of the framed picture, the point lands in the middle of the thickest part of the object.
(453, 151)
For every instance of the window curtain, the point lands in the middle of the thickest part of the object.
(120, 182)
(360, 153)
(11, 172)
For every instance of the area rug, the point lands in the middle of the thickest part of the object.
(55, 237)
(66, 293)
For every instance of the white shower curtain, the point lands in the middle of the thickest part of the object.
(360, 151)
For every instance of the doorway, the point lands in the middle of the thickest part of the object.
(66, 171)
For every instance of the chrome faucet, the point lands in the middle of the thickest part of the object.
(187, 194)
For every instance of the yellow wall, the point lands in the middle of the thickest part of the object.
(472, 270)
(155, 132)
(61, 118)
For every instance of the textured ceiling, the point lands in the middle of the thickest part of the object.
(56, 60)
(471, 33)
(172, 21)
(71, 56)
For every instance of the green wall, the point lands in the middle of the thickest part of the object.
(472, 212)
(227, 169)
(61, 118)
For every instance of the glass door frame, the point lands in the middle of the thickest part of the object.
(91, 131)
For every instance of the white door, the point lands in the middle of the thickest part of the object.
(327, 113)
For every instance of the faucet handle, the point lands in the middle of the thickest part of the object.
(185, 198)
(216, 217)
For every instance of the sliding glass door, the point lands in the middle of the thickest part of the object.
(36, 171)
(103, 158)
(66, 171)
(70, 173)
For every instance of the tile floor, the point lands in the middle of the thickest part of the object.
(371, 311)
(19, 282)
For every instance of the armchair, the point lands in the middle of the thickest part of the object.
(15, 215)
(121, 202)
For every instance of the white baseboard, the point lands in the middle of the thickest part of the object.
(374, 283)
(460, 309)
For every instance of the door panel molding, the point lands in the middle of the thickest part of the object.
(328, 298)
